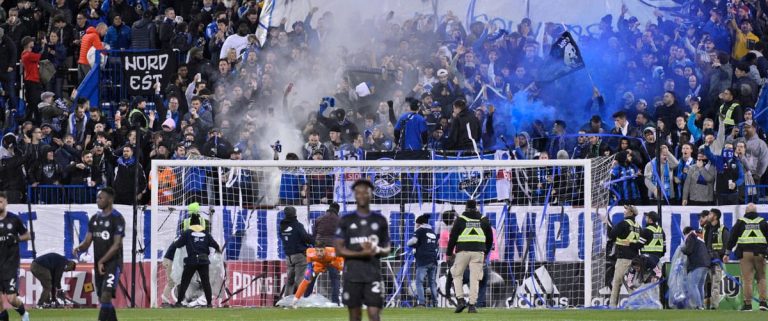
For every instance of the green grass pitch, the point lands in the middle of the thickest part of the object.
(390, 314)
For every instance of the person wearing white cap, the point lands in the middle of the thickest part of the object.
(445, 92)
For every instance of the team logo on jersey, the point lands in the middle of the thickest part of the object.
(375, 226)
(104, 235)
(386, 183)
(106, 223)
(471, 180)
(9, 226)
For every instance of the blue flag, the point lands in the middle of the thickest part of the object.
(761, 116)
(89, 88)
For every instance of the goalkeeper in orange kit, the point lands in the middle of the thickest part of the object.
(319, 259)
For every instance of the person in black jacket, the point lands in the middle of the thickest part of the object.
(7, 72)
(167, 28)
(12, 177)
(144, 32)
(347, 129)
(653, 237)
(472, 237)
(124, 178)
(424, 240)
(48, 269)
(698, 266)
(295, 240)
(80, 173)
(465, 128)
(626, 236)
(445, 91)
(197, 242)
(48, 171)
(750, 237)
(715, 237)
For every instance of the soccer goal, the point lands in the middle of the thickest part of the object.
(549, 239)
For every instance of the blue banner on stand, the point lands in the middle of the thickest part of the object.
(465, 182)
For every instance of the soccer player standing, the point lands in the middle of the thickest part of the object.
(12, 231)
(106, 230)
(361, 238)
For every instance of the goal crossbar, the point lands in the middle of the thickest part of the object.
(586, 164)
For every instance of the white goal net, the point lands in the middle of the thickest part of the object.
(549, 239)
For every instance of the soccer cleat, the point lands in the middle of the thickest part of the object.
(763, 306)
(472, 309)
(25, 317)
(746, 307)
(460, 306)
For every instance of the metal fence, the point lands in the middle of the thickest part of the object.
(61, 194)
(755, 193)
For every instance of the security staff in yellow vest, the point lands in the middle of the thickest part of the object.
(715, 236)
(194, 218)
(731, 112)
(472, 237)
(749, 237)
(652, 237)
(627, 243)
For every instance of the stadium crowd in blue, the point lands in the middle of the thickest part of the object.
(688, 81)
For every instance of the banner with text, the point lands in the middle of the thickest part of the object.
(556, 236)
(141, 71)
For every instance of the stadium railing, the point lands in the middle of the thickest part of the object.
(755, 193)
(61, 194)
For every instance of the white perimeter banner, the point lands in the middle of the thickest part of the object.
(253, 235)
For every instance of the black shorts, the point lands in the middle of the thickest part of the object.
(355, 294)
(109, 281)
(9, 285)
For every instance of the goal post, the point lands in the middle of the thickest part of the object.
(548, 237)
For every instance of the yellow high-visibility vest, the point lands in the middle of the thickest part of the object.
(655, 245)
(472, 233)
(633, 236)
(752, 233)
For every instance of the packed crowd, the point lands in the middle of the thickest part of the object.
(688, 85)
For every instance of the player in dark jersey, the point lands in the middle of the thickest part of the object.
(12, 231)
(361, 238)
(106, 230)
